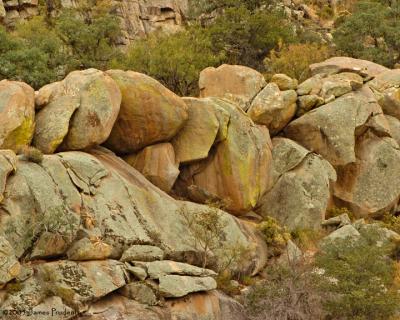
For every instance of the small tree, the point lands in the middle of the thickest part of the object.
(207, 228)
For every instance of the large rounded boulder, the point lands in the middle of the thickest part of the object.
(238, 168)
(239, 84)
(76, 113)
(150, 113)
(17, 114)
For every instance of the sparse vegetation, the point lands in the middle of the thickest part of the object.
(275, 235)
(31, 154)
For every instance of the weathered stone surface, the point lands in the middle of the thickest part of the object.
(157, 269)
(239, 84)
(9, 265)
(142, 253)
(140, 292)
(386, 87)
(89, 249)
(346, 64)
(150, 113)
(284, 82)
(158, 164)
(310, 86)
(17, 114)
(8, 165)
(211, 305)
(394, 125)
(79, 112)
(273, 108)
(198, 135)
(307, 102)
(173, 286)
(363, 185)
(80, 283)
(301, 190)
(137, 272)
(347, 231)
(238, 168)
(338, 221)
(331, 129)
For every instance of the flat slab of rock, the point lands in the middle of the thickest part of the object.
(239, 84)
(89, 249)
(173, 286)
(142, 253)
(158, 269)
(346, 64)
(82, 282)
(140, 292)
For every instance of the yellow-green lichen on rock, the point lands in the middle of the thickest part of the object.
(17, 114)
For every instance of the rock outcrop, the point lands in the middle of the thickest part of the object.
(17, 114)
(76, 113)
(237, 83)
(238, 168)
(150, 113)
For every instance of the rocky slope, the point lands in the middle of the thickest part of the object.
(98, 227)
(138, 17)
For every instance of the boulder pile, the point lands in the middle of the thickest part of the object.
(100, 226)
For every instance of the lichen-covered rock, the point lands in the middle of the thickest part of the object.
(173, 286)
(273, 108)
(239, 84)
(158, 164)
(8, 165)
(301, 189)
(9, 265)
(307, 102)
(284, 82)
(157, 269)
(17, 114)
(78, 283)
(363, 185)
(345, 64)
(394, 125)
(331, 129)
(206, 121)
(386, 87)
(238, 168)
(140, 292)
(142, 253)
(76, 113)
(89, 249)
(150, 113)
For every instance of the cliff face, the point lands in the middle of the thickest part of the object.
(138, 17)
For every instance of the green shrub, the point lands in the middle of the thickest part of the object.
(361, 274)
(274, 235)
(372, 33)
(294, 59)
(307, 239)
(391, 222)
(335, 211)
(175, 60)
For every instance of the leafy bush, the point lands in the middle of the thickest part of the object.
(294, 59)
(245, 37)
(335, 211)
(361, 277)
(372, 32)
(307, 239)
(175, 60)
(275, 236)
(289, 292)
(391, 222)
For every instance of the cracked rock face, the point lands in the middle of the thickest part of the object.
(301, 189)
